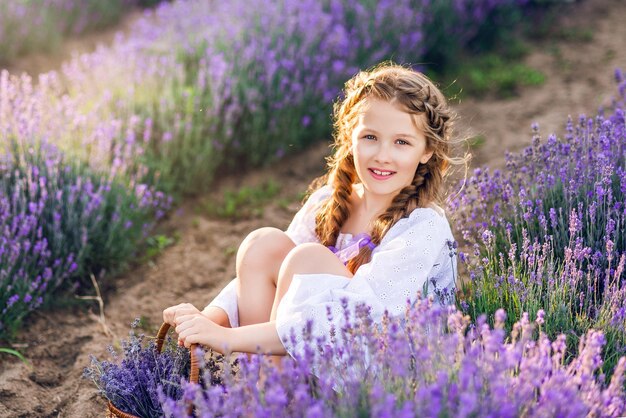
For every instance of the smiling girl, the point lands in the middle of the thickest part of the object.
(373, 232)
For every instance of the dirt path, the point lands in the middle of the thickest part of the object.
(579, 79)
(58, 344)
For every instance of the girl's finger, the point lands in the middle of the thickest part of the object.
(185, 335)
(180, 314)
(184, 318)
(182, 326)
(167, 315)
(192, 339)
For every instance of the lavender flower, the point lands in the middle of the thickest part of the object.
(136, 380)
(454, 373)
(559, 204)
(56, 225)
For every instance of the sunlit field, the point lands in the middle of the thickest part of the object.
(100, 157)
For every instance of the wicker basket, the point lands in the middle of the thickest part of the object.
(194, 374)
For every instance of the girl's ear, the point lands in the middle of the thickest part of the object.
(426, 157)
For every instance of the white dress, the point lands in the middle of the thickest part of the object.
(416, 254)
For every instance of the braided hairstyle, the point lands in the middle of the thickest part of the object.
(415, 94)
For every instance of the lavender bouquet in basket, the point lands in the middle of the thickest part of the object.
(132, 381)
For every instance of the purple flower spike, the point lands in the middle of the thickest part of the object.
(426, 357)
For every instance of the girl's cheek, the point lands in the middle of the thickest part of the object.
(365, 149)
(407, 156)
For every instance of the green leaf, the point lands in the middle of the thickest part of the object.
(14, 353)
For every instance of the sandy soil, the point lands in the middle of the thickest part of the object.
(201, 262)
(579, 79)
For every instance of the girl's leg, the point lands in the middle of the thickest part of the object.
(259, 258)
(305, 259)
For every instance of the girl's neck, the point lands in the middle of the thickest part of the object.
(367, 204)
(364, 210)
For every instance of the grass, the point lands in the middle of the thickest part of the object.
(230, 251)
(494, 74)
(548, 25)
(609, 55)
(156, 244)
(14, 353)
(575, 34)
(564, 65)
(244, 203)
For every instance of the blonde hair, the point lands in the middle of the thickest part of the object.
(415, 94)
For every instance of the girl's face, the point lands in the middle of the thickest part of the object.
(387, 148)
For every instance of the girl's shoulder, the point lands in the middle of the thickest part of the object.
(428, 221)
(319, 195)
(431, 213)
(438, 209)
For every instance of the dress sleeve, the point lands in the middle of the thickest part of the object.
(415, 255)
(302, 227)
(227, 300)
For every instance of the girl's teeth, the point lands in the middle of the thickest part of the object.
(380, 173)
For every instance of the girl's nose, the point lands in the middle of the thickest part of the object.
(383, 153)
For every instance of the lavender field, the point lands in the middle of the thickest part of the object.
(109, 167)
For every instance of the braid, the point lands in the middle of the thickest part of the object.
(337, 209)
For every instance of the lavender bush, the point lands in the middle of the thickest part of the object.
(545, 232)
(75, 203)
(212, 86)
(247, 88)
(60, 222)
(431, 362)
(204, 87)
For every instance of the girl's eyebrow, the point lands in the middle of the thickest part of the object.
(374, 131)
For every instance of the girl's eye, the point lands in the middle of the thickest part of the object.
(402, 142)
(370, 137)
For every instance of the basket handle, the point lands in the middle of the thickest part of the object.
(194, 373)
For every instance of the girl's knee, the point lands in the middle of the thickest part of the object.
(265, 244)
(307, 253)
(313, 258)
(262, 233)
(308, 248)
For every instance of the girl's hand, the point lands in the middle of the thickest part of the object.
(198, 329)
(172, 313)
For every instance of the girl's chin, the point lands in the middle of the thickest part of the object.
(381, 189)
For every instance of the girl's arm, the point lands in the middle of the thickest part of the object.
(217, 315)
(255, 338)
(198, 329)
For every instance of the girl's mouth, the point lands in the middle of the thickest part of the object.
(380, 174)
